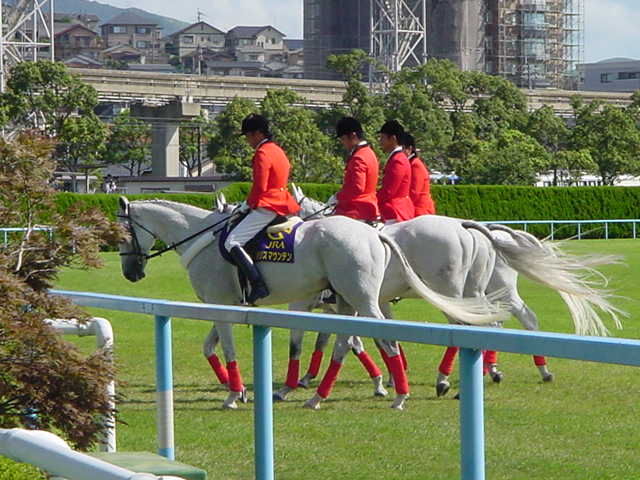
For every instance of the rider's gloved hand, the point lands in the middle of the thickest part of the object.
(243, 208)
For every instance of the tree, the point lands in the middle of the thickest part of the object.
(512, 158)
(194, 138)
(46, 382)
(229, 150)
(610, 135)
(358, 101)
(129, 143)
(409, 101)
(45, 95)
(296, 130)
(552, 133)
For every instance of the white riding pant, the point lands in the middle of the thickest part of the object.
(249, 227)
(390, 222)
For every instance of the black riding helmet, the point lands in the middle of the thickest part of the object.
(347, 125)
(255, 123)
(393, 127)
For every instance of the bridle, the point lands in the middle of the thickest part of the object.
(137, 250)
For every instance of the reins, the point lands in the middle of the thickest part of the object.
(173, 246)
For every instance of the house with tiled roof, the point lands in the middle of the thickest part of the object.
(129, 28)
(256, 43)
(76, 39)
(191, 43)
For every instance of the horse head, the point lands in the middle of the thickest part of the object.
(135, 248)
(309, 208)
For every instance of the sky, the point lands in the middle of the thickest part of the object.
(612, 26)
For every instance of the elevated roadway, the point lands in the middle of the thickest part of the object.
(153, 88)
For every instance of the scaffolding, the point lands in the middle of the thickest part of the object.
(398, 35)
(26, 33)
(535, 43)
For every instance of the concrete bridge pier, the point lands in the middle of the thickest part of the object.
(165, 123)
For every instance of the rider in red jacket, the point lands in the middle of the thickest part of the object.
(357, 198)
(420, 191)
(393, 198)
(269, 198)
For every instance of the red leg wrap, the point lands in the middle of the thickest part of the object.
(314, 366)
(405, 364)
(218, 369)
(325, 387)
(539, 360)
(235, 379)
(369, 364)
(293, 374)
(399, 375)
(446, 365)
(490, 357)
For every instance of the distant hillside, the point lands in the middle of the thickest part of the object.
(107, 12)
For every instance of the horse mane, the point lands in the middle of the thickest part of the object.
(181, 208)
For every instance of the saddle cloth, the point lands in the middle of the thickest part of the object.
(274, 243)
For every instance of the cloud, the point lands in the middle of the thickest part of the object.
(611, 29)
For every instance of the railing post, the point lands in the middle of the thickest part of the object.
(164, 388)
(471, 415)
(553, 231)
(606, 230)
(263, 403)
(579, 231)
(634, 230)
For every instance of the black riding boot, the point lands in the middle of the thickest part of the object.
(258, 287)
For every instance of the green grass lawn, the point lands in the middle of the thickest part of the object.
(583, 426)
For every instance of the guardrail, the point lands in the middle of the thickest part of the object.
(101, 329)
(554, 223)
(7, 231)
(471, 340)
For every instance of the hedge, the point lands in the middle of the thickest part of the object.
(467, 201)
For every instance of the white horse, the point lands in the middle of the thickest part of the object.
(454, 261)
(335, 252)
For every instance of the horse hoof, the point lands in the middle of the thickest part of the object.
(229, 405)
(442, 388)
(244, 396)
(548, 378)
(278, 397)
(497, 376)
(398, 402)
(313, 403)
(380, 392)
(456, 396)
(390, 383)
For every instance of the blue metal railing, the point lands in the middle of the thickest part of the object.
(7, 231)
(471, 340)
(579, 223)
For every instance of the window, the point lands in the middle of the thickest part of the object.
(606, 77)
(143, 44)
(627, 75)
(187, 39)
(118, 29)
(534, 47)
(143, 30)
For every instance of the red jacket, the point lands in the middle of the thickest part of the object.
(420, 192)
(270, 177)
(357, 198)
(393, 197)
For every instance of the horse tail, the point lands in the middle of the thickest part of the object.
(472, 311)
(581, 287)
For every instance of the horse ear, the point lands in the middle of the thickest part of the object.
(219, 204)
(124, 204)
(223, 199)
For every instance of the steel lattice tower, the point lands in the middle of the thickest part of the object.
(398, 35)
(26, 33)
